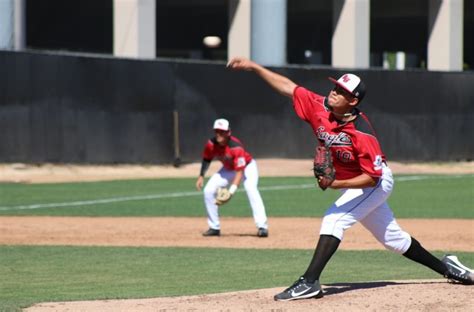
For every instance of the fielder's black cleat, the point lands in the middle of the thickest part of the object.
(212, 232)
(262, 232)
(457, 272)
(301, 289)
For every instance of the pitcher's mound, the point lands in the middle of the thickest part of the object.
(415, 295)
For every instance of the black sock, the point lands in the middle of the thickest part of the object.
(326, 247)
(419, 254)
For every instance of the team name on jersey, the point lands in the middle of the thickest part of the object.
(225, 157)
(340, 139)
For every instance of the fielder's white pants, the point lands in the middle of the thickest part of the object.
(369, 207)
(223, 178)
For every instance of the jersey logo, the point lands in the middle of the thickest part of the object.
(340, 139)
(240, 161)
(378, 162)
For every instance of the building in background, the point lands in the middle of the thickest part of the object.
(432, 34)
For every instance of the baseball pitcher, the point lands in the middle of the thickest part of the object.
(349, 158)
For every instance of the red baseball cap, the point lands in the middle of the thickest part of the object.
(352, 84)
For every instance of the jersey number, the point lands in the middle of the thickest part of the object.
(345, 156)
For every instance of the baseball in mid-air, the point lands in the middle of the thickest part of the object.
(212, 41)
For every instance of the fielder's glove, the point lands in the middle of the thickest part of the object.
(323, 168)
(223, 196)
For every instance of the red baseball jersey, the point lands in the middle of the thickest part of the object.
(354, 146)
(233, 156)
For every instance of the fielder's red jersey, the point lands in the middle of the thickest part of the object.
(233, 156)
(354, 146)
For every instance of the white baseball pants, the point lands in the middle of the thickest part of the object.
(369, 207)
(223, 178)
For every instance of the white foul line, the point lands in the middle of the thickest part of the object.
(140, 197)
(182, 194)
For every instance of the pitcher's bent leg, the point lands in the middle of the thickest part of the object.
(382, 224)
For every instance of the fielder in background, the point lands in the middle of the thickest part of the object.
(237, 165)
(361, 174)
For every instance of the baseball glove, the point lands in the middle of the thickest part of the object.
(223, 196)
(323, 168)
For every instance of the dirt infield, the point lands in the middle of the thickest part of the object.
(49, 173)
(286, 233)
(432, 295)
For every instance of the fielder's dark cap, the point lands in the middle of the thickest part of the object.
(352, 84)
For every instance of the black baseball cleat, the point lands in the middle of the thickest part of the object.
(212, 232)
(301, 289)
(457, 272)
(262, 232)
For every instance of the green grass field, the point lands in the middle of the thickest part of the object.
(38, 274)
(413, 197)
(31, 274)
